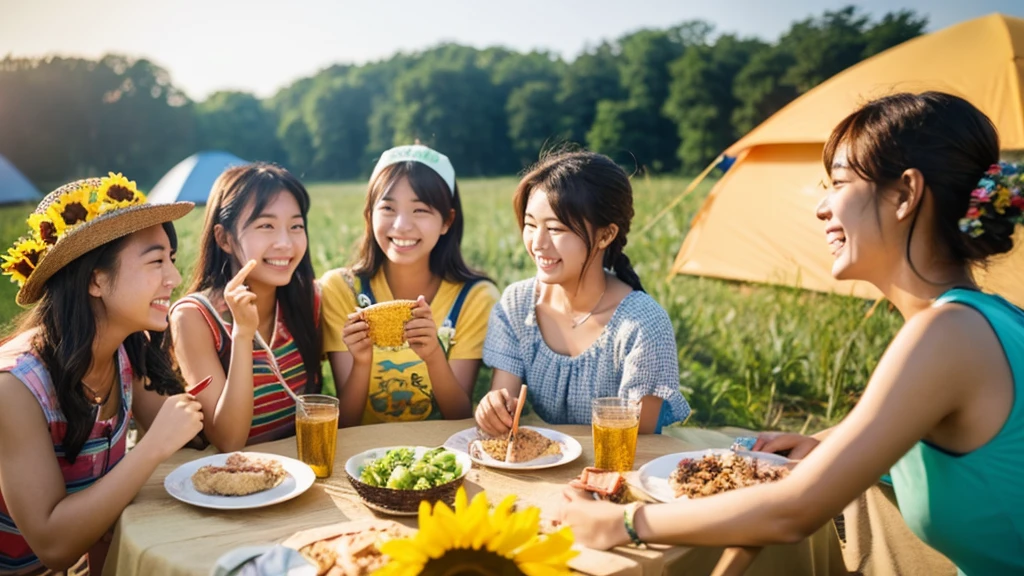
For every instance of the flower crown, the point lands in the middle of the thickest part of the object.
(61, 213)
(1000, 194)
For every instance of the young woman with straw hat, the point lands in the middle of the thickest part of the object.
(99, 266)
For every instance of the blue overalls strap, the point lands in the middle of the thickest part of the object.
(453, 314)
(364, 288)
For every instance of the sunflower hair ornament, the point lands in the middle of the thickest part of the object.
(75, 219)
(473, 539)
(1000, 194)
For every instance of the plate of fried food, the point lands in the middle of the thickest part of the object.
(239, 481)
(533, 448)
(707, 472)
(347, 548)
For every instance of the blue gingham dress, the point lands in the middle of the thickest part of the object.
(635, 356)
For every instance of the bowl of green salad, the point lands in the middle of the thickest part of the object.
(396, 479)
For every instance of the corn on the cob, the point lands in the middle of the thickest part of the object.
(387, 322)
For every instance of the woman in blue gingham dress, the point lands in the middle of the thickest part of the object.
(583, 328)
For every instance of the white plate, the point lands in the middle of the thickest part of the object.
(654, 475)
(465, 440)
(355, 464)
(179, 484)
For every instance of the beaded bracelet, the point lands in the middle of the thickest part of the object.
(627, 518)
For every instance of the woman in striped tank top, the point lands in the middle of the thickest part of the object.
(99, 266)
(253, 281)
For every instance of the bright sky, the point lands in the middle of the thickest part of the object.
(264, 45)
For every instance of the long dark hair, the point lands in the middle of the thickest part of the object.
(260, 184)
(66, 329)
(950, 141)
(585, 188)
(446, 259)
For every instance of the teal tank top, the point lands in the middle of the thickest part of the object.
(970, 507)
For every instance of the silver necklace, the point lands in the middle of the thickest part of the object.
(577, 322)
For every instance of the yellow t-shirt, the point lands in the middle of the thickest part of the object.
(399, 382)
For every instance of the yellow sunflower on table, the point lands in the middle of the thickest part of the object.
(472, 540)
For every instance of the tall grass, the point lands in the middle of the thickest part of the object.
(753, 356)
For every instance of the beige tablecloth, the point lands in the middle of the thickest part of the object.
(159, 535)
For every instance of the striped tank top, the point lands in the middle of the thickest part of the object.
(105, 447)
(273, 411)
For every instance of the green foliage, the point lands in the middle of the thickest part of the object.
(532, 120)
(339, 133)
(656, 100)
(64, 118)
(894, 28)
(239, 122)
(592, 77)
(701, 102)
(759, 89)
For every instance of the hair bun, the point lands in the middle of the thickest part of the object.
(996, 208)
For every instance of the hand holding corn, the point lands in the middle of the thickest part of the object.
(356, 335)
(421, 331)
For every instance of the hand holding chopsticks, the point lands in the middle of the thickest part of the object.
(510, 452)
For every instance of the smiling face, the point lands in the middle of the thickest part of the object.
(137, 293)
(560, 255)
(405, 227)
(275, 238)
(860, 228)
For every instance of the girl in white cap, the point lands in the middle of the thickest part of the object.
(98, 264)
(410, 252)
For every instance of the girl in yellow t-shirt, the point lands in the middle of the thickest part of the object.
(411, 251)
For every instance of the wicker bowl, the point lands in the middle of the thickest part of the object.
(402, 502)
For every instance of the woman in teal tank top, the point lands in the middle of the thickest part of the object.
(917, 199)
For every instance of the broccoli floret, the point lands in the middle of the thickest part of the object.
(401, 479)
(401, 470)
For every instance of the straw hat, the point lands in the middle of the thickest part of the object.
(74, 219)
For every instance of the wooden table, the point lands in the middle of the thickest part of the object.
(159, 535)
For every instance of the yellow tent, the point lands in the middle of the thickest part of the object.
(758, 222)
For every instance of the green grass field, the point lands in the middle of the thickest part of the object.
(751, 356)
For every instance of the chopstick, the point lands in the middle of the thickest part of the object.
(199, 387)
(275, 368)
(262, 344)
(515, 423)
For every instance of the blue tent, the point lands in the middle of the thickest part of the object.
(192, 178)
(14, 187)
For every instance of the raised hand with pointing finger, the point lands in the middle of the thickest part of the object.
(242, 303)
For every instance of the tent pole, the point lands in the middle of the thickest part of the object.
(689, 188)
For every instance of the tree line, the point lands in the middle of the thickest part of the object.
(660, 100)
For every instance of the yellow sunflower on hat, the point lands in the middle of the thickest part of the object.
(22, 258)
(116, 191)
(474, 540)
(45, 228)
(72, 208)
